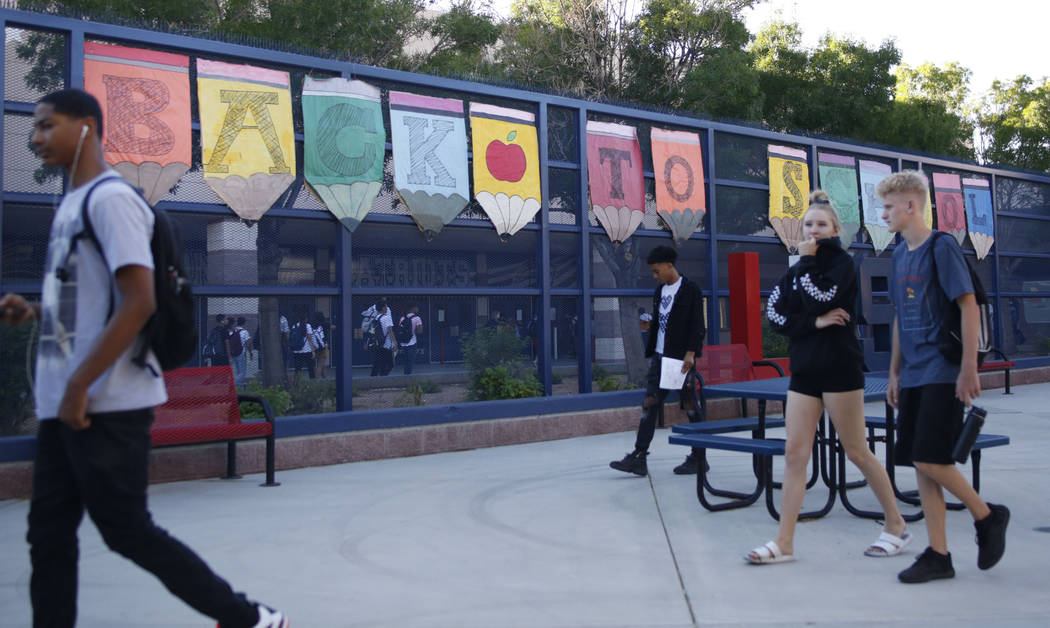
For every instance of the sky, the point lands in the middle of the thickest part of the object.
(995, 40)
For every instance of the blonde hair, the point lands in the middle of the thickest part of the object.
(904, 182)
(819, 199)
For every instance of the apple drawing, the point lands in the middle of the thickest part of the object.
(506, 162)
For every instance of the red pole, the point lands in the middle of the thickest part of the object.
(745, 303)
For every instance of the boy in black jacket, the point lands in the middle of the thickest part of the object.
(678, 332)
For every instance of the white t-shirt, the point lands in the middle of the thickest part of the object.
(74, 311)
(386, 321)
(667, 295)
(416, 324)
(308, 332)
(245, 337)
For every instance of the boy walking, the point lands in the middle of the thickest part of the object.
(679, 334)
(930, 392)
(93, 439)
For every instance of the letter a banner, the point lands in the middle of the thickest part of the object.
(978, 195)
(871, 172)
(838, 177)
(247, 137)
(679, 174)
(145, 99)
(951, 216)
(788, 193)
(506, 166)
(344, 144)
(615, 178)
(430, 158)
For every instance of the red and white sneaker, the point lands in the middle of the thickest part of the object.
(270, 618)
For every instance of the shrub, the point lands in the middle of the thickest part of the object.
(498, 383)
(556, 378)
(611, 383)
(774, 345)
(426, 386)
(280, 400)
(312, 396)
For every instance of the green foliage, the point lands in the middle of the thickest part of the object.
(280, 400)
(311, 396)
(498, 383)
(1013, 122)
(611, 383)
(16, 397)
(556, 378)
(492, 352)
(427, 386)
(774, 345)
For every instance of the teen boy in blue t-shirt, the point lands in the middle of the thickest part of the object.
(930, 392)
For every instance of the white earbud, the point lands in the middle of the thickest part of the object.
(83, 132)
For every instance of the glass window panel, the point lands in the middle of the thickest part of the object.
(562, 141)
(23, 171)
(564, 196)
(624, 266)
(1014, 195)
(397, 256)
(1026, 326)
(617, 342)
(310, 381)
(17, 349)
(565, 338)
(1021, 235)
(34, 64)
(1020, 274)
(743, 211)
(273, 251)
(26, 233)
(741, 158)
(565, 261)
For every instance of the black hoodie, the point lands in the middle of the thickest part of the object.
(816, 285)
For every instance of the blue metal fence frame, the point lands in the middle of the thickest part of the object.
(76, 31)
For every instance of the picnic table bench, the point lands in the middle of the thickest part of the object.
(204, 407)
(1004, 364)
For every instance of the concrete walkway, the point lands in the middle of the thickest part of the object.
(546, 535)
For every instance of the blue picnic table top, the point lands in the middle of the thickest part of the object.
(776, 389)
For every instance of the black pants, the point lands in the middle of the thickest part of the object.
(652, 414)
(382, 361)
(303, 361)
(103, 469)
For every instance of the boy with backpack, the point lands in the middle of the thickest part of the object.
(240, 343)
(409, 328)
(93, 437)
(217, 346)
(932, 282)
(301, 341)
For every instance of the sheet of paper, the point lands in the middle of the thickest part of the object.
(671, 375)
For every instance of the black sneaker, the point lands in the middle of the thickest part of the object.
(930, 565)
(691, 466)
(633, 462)
(991, 536)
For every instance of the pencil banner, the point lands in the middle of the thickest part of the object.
(506, 166)
(247, 137)
(431, 172)
(788, 193)
(344, 144)
(679, 171)
(615, 178)
(145, 100)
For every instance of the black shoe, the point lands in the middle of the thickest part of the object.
(633, 462)
(930, 565)
(991, 536)
(691, 466)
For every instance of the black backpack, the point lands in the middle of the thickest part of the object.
(405, 329)
(171, 332)
(374, 336)
(297, 337)
(236, 346)
(949, 337)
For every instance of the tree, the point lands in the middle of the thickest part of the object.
(679, 52)
(1013, 122)
(462, 40)
(930, 111)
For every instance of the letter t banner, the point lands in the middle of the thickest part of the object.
(615, 178)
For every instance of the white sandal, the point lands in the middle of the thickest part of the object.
(888, 545)
(768, 554)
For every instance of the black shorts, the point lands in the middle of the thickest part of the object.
(816, 384)
(929, 421)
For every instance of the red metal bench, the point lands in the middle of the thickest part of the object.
(203, 407)
(722, 364)
(1005, 364)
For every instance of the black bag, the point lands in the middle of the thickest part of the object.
(236, 346)
(405, 329)
(297, 338)
(374, 335)
(171, 332)
(949, 337)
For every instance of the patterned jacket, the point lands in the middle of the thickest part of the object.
(816, 285)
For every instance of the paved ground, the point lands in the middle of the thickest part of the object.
(547, 535)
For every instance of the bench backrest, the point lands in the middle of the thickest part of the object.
(199, 396)
(722, 364)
